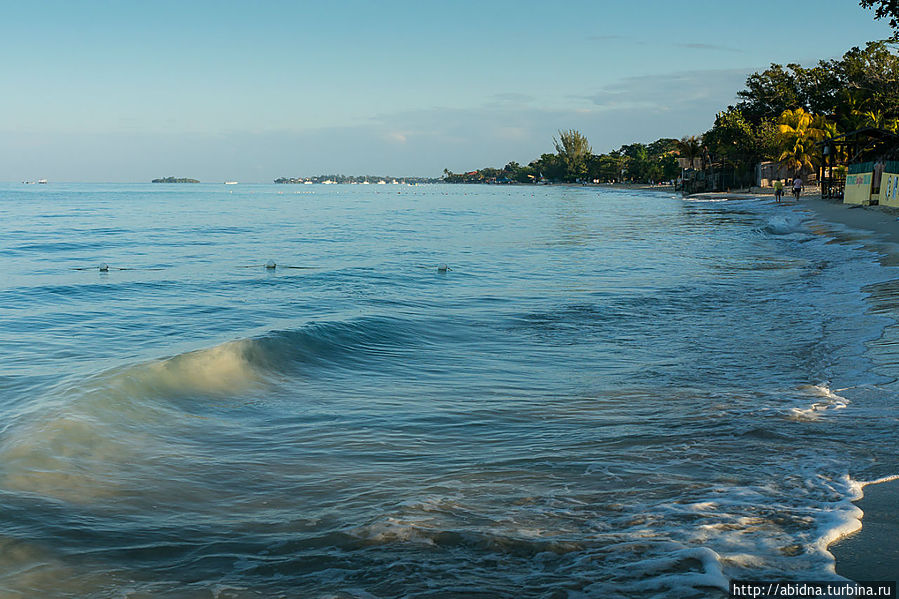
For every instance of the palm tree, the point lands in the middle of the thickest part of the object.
(690, 148)
(799, 131)
(877, 118)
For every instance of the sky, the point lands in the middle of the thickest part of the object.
(122, 90)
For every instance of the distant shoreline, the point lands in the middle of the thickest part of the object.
(175, 180)
(868, 553)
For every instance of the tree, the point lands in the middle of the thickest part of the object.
(871, 77)
(521, 174)
(549, 166)
(662, 146)
(737, 141)
(770, 92)
(573, 150)
(799, 131)
(637, 162)
(690, 148)
(862, 80)
(884, 9)
(610, 166)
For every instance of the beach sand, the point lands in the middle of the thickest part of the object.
(879, 220)
(872, 552)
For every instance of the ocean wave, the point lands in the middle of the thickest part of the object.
(79, 441)
(785, 224)
(828, 402)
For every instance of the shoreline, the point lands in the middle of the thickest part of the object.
(877, 227)
(869, 553)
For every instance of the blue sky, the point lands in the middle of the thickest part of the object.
(128, 91)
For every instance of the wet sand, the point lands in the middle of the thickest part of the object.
(880, 220)
(872, 552)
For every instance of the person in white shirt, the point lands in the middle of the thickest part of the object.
(797, 187)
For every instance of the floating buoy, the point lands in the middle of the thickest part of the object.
(104, 267)
(271, 265)
(443, 268)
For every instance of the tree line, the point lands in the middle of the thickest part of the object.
(574, 160)
(782, 113)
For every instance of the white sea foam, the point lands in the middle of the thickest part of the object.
(678, 583)
(79, 443)
(785, 224)
(696, 478)
(224, 368)
(848, 518)
(843, 519)
(393, 530)
(830, 401)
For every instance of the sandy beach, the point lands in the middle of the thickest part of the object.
(880, 222)
(871, 553)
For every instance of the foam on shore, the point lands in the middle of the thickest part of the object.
(867, 550)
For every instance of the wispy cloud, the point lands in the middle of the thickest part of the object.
(513, 98)
(711, 47)
(397, 137)
(697, 90)
(605, 38)
(424, 141)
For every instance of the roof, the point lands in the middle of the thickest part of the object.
(870, 132)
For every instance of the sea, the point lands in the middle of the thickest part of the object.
(606, 393)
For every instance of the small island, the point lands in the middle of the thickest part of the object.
(175, 180)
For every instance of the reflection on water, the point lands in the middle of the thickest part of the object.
(611, 394)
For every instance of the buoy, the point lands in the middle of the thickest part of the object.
(104, 267)
(442, 268)
(271, 265)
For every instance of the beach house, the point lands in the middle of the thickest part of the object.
(861, 167)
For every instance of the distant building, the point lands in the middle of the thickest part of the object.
(861, 167)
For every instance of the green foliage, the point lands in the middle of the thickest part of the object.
(549, 167)
(573, 151)
(869, 81)
(355, 179)
(174, 180)
(690, 149)
(520, 174)
(781, 114)
(799, 132)
(737, 141)
(605, 167)
(844, 88)
(654, 162)
(884, 9)
(770, 92)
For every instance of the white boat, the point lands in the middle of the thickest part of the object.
(42, 181)
(230, 182)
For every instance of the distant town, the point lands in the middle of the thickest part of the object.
(357, 180)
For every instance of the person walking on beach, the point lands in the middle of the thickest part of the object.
(778, 190)
(797, 187)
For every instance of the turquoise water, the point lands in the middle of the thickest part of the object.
(608, 394)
